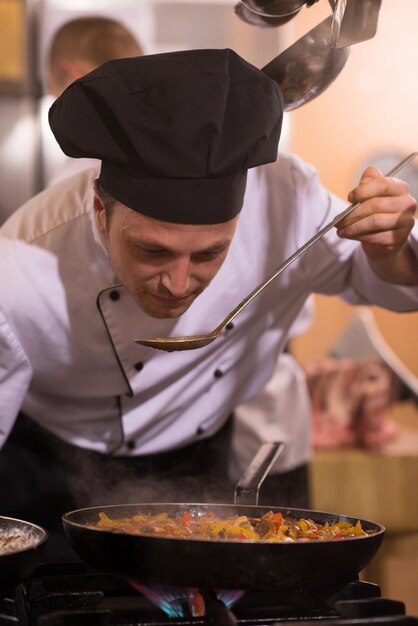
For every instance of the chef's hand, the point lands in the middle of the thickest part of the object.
(382, 223)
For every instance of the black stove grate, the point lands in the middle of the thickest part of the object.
(71, 594)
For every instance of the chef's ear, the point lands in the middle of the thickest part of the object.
(99, 209)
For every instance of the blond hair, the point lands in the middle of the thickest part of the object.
(91, 40)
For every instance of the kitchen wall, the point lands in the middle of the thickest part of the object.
(370, 111)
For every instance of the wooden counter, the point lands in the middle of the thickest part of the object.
(382, 487)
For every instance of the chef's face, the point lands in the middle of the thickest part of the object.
(163, 265)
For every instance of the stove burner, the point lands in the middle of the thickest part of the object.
(184, 602)
(72, 594)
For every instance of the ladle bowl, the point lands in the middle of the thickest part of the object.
(175, 344)
(309, 66)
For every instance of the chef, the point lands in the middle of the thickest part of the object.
(165, 240)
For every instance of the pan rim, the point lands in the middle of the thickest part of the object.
(379, 528)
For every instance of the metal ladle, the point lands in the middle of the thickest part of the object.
(310, 65)
(171, 344)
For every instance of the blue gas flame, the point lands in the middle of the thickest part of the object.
(183, 601)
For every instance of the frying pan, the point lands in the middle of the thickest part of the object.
(17, 566)
(318, 566)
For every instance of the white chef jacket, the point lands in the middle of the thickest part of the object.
(67, 355)
(281, 411)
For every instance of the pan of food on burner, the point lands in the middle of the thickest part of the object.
(21, 549)
(226, 546)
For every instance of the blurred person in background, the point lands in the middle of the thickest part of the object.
(84, 43)
(78, 47)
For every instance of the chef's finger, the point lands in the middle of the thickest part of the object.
(403, 205)
(381, 228)
(373, 183)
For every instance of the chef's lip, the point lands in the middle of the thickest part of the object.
(172, 300)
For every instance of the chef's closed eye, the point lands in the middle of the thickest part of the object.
(201, 256)
(165, 254)
(208, 255)
(153, 252)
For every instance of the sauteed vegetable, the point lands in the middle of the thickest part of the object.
(269, 527)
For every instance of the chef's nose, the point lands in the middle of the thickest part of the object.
(176, 277)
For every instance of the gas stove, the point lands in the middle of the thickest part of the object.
(72, 594)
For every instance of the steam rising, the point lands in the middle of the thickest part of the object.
(97, 480)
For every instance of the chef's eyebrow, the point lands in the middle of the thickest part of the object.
(219, 246)
(140, 240)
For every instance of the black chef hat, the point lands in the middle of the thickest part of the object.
(175, 132)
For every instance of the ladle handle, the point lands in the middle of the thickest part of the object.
(248, 487)
(351, 208)
(337, 18)
(339, 217)
(306, 246)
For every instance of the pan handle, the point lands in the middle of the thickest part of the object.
(248, 486)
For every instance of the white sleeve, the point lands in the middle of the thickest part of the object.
(367, 287)
(15, 376)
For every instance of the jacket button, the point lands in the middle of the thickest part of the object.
(114, 295)
(218, 373)
(139, 366)
(130, 444)
(229, 326)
